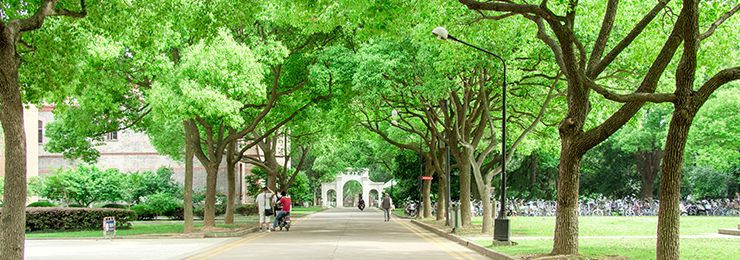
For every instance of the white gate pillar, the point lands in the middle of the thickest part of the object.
(340, 192)
(324, 200)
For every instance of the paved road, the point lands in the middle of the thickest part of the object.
(343, 234)
(332, 234)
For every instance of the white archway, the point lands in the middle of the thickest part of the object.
(361, 175)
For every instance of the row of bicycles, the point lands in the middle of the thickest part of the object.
(625, 207)
(598, 207)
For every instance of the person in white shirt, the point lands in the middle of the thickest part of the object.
(264, 201)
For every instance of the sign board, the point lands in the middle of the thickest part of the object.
(109, 227)
(427, 178)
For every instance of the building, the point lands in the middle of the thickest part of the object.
(30, 117)
(129, 151)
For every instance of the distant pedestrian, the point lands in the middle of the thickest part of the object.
(264, 202)
(386, 205)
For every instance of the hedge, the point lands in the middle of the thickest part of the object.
(246, 209)
(75, 218)
(199, 212)
(41, 204)
(144, 212)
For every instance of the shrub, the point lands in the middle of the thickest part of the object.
(144, 212)
(114, 206)
(200, 210)
(76, 206)
(161, 202)
(42, 204)
(74, 218)
(177, 213)
(246, 209)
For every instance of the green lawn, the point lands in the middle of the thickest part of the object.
(136, 229)
(140, 228)
(302, 211)
(614, 227)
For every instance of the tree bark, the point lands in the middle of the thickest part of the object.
(231, 176)
(13, 224)
(427, 187)
(441, 197)
(465, 212)
(566, 224)
(533, 168)
(670, 187)
(188, 188)
(209, 218)
(11, 116)
(648, 165)
(678, 131)
(488, 213)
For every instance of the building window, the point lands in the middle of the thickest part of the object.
(41, 132)
(113, 136)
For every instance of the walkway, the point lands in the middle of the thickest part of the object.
(333, 234)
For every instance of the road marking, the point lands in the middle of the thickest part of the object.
(457, 254)
(227, 247)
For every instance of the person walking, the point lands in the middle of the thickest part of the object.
(264, 207)
(386, 205)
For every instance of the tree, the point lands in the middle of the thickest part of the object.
(609, 171)
(410, 83)
(2, 189)
(708, 183)
(299, 67)
(83, 186)
(713, 138)
(645, 142)
(557, 28)
(210, 86)
(535, 178)
(20, 19)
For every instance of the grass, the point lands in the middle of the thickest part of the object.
(143, 228)
(617, 226)
(303, 211)
(136, 229)
(634, 248)
(616, 236)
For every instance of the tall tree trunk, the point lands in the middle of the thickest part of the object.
(487, 225)
(566, 224)
(678, 131)
(474, 188)
(209, 218)
(441, 196)
(272, 171)
(670, 187)
(14, 203)
(648, 165)
(231, 176)
(188, 189)
(533, 168)
(427, 188)
(465, 192)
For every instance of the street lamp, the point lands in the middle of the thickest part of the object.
(501, 230)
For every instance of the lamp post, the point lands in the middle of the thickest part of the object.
(501, 230)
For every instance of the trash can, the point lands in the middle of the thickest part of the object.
(456, 218)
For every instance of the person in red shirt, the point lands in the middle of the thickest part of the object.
(285, 201)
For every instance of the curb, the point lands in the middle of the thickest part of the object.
(467, 243)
